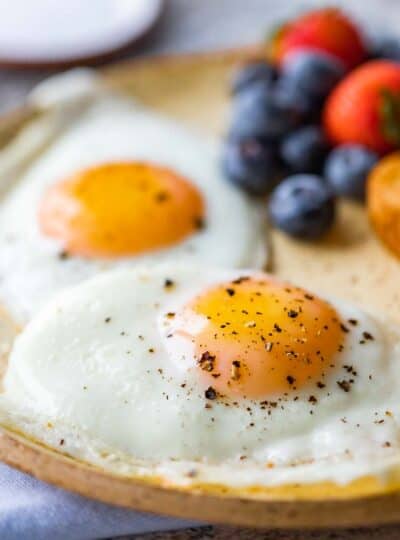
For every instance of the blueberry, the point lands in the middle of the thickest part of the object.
(305, 150)
(251, 164)
(347, 168)
(315, 73)
(304, 107)
(387, 48)
(257, 71)
(257, 112)
(302, 206)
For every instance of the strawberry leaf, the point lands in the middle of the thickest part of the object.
(275, 31)
(389, 112)
(273, 39)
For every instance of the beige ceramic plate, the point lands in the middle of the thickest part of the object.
(350, 264)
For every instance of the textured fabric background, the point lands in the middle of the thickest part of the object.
(30, 510)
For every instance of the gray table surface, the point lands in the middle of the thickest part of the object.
(196, 25)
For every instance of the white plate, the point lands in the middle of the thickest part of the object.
(34, 32)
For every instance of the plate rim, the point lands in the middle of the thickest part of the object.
(90, 481)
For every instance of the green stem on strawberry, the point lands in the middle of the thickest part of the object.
(389, 112)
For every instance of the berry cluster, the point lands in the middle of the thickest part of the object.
(312, 118)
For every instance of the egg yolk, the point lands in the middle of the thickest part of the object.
(119, 209)
(260, 338)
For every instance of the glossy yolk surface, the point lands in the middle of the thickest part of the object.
(261, 338)
(121, 209)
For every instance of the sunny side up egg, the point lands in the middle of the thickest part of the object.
(120, 186)
(211, 375)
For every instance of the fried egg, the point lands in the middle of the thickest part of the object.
(119, 186)
(208, 375)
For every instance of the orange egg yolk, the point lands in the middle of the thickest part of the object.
(119, 209)
(261, 338)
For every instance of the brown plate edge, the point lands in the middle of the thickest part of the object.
(62, 471)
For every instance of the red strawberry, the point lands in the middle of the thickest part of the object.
(364, 107)
(327, 30)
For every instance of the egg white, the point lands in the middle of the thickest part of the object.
(114, 128)
(93, 370)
